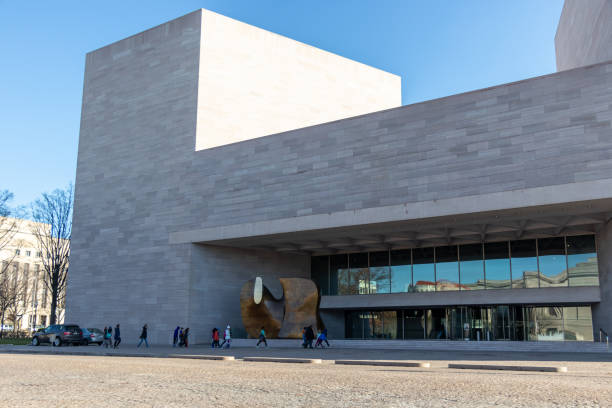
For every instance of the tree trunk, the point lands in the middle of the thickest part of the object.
(2, 326)
(54, 296)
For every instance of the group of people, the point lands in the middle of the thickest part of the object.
(180, 337)
(108, 336)
(308, 337)
(227, 338)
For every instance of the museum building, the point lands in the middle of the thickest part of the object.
(212, 152)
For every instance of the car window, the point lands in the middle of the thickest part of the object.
(71, 328)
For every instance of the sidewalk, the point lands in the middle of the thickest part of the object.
(326, 354)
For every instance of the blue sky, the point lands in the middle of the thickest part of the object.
(438, 47)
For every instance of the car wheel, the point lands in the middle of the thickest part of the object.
(57, 342)
(35, 341)
(86, 342)
(100, 344)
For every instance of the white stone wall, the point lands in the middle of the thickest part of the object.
(255, 83)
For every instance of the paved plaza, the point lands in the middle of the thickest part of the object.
(61, 379)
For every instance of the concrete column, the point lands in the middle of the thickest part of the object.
(602, 312)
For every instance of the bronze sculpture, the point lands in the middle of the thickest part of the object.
(283, 306)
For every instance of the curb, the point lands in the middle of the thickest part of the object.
(508, 368)
(201, 357)
(389, 363)
(283, 360)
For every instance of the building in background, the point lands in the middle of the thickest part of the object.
(22, 281)
(483, 215)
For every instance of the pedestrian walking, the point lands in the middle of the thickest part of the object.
(309, 336)
(227, 337)
(262, 337)
(180, 338)
(319, 342)
(215, 338)
(104, 335)
(186, 338)
(108, 335)
(117, 336)
(143, 337)
(324, 338)
(175, 336)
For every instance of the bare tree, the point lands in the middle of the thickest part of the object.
(52, 228)
(8, 225)
(13, 299)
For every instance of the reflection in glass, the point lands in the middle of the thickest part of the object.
(354, 325)
(373, 325)
(401, 271)
(414, 324)
(423, 274)
(497, 265)
(552, 262)
(390, 324)
(582, 261)
(380, 272)
(436, 323)
(471, 267)
(338, 275)
(549, 323)
(447, 268)
(578, 323)
(359, 280)
(319, 273)
(495, 322)
(524, 264)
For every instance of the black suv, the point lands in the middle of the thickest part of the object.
(58, 334)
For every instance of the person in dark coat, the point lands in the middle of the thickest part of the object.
(186, 337)
(175, 336)
(309, 336)
(143, 337)
(117, 336)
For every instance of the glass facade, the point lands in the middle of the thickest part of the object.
(531, 263)
(490, 323)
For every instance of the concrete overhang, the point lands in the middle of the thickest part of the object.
(541, 296)
(579, 208)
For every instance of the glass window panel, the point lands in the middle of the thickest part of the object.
(354, 325)
(447, 268)
(436, 324)
(373, 325)
(338, 271)
(423, 274)
(389, 324)
(401, 271)
(319, 273)
(549, 323)
(380, 273)
(471, 267)
(497, 265)
(552, 262)
(582, 261)
(578, 323)
(359, 280)
(524, 264)
(414, 324)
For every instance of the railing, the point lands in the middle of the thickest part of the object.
(602, 334)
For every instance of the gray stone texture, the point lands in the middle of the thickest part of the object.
(139, 178)
(584, 33)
